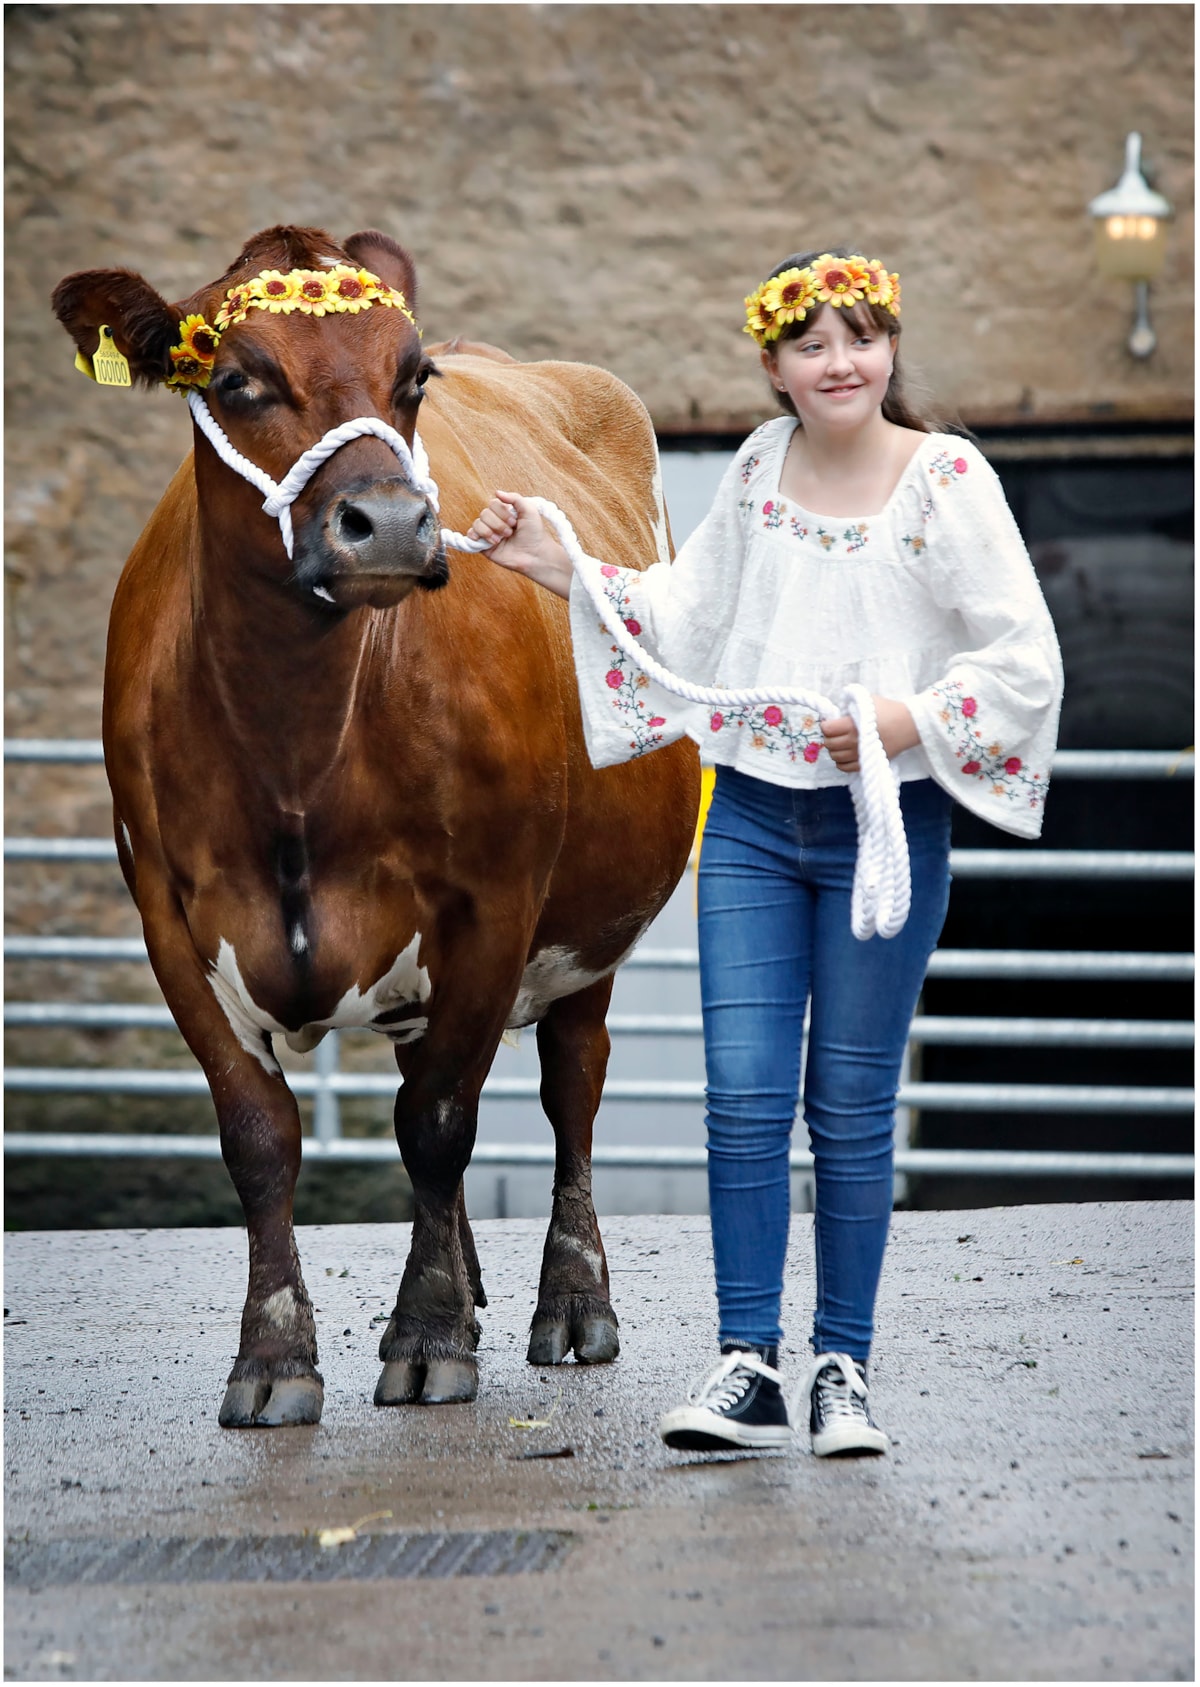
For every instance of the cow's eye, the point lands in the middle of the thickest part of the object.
(234, 386)
(420, 379)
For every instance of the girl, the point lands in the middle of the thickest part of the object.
(847, 543)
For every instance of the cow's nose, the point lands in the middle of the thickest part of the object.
(378, 528)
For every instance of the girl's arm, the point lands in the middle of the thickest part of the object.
(520, 540)
(988, 725)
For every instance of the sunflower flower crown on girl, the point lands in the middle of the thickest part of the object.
(789, 297)
(314, 292)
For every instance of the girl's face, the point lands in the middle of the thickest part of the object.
(835, 371)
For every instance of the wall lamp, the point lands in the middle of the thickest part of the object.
(1130, 222)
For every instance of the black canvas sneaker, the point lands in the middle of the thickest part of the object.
(739, 1403)
(838, 1416)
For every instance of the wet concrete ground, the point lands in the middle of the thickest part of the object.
(1034, 1522)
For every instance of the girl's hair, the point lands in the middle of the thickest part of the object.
(897, 406)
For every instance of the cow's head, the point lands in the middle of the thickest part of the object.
(277, 373)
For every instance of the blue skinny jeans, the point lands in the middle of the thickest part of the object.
(776, 866)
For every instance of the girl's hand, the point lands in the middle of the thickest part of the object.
(519, 539)
(897, 732)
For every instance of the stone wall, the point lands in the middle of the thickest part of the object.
(593, 182)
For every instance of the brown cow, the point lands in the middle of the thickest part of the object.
(350, 786)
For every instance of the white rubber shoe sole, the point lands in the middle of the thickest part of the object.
(846, 1439)
(694, 1429)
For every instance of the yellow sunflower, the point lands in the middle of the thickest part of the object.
(760, 320)
(351, 289)
(237, 302)
(883, 289)
(192, 357)
(879, 286)
(840, 281)
(793, 294)
(276, 292)
(313, 292)
(390, 296)
(196, 337)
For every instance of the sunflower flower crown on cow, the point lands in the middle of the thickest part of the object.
(789, 296)
(342, 290)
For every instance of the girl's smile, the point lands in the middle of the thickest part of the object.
(836, 370)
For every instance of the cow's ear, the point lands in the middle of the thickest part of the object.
(144, 326)
(384, 258)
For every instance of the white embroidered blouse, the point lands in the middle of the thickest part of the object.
(933, 601)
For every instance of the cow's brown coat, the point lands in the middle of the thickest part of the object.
(315, 785)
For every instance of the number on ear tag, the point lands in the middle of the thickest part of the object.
(110, 367)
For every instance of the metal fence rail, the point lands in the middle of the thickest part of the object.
(943, 1030)
(1089, 964)
(965, 1162)
(1068, 764)
(327, 1083)
(964, 863)
(941, 1097)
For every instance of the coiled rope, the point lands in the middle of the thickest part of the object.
(882, 888)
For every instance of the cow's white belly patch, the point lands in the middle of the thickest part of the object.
(550, 974)
(247, 1019)
(403, 983)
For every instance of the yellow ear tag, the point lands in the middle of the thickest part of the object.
(84, 366)
(110, 367)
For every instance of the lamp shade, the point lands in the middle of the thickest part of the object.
(1130, 222)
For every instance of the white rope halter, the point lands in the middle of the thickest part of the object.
(882, 889)
(282, 494)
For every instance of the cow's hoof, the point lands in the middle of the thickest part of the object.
(592, 1334)
(259, 1403)
(399, 1383)
(549, 1341)
(432, 1382)
(596, 1341)
(450, 1379)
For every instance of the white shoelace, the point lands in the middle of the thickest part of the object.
(842, 1392)
(725, 1384)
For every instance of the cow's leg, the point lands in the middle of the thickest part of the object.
(428, 1348)
(274, 1379)
(573, 1309)
(470, 1257)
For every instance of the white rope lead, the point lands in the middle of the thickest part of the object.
(882, 887)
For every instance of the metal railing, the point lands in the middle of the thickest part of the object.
(327, 1084)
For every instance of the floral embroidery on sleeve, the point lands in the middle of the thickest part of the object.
(624, 678)
(944, 468)
(916, 542)
(748, 467)
(770, 730)
(1007, 775)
